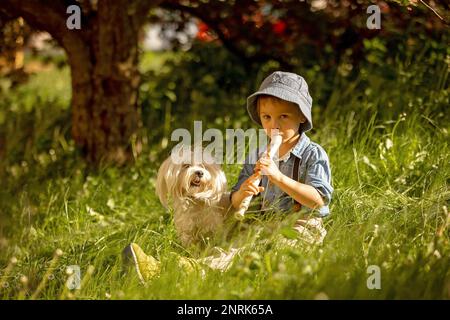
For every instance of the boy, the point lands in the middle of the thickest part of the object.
(303, 177)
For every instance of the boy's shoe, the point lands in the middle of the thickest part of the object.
(146, 266)
(185, 264)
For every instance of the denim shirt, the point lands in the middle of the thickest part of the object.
(314, 170)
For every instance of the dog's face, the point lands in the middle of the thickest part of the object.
(190, 180)
(194, 179)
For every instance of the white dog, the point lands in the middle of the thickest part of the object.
(198, 192)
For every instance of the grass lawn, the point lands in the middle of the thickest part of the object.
(390, 207)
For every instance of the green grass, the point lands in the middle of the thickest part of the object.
(389, 154)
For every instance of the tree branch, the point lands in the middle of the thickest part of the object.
(43, 15)
(142, 7)
(434, 10)
(50, 16)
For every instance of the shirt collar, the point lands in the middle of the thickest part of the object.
(301, 145)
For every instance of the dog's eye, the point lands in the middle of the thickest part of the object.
(186, 165)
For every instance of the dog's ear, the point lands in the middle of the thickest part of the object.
(161, 183)
(219, 178)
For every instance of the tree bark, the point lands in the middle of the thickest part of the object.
(103, 58)
(105, 85)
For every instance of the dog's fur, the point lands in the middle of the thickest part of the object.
(198, 193)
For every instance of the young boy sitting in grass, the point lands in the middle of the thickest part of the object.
(302, 178)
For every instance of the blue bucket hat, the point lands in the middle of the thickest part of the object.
(286, 86)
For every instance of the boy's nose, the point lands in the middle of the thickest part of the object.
(275, 125)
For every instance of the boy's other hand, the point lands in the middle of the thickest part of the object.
(248, 188)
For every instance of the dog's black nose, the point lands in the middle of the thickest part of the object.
(199, 173)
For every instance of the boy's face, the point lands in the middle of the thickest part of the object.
(282, 115)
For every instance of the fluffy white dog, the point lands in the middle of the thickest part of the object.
(198, 191)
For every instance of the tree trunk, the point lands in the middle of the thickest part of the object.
(104, 87)
(103, 58)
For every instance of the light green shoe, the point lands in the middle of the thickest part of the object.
(185, 264)
(146, 266)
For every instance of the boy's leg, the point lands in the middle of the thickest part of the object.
(148, 268)
(311, 230)
(221, 261)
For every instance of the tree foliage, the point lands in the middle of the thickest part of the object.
(300, 33)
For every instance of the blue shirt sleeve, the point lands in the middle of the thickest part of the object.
(247, 171)
(318, 175)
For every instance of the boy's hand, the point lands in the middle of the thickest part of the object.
(248, 189)
(267, 166)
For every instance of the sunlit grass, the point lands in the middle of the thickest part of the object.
(390, 209)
